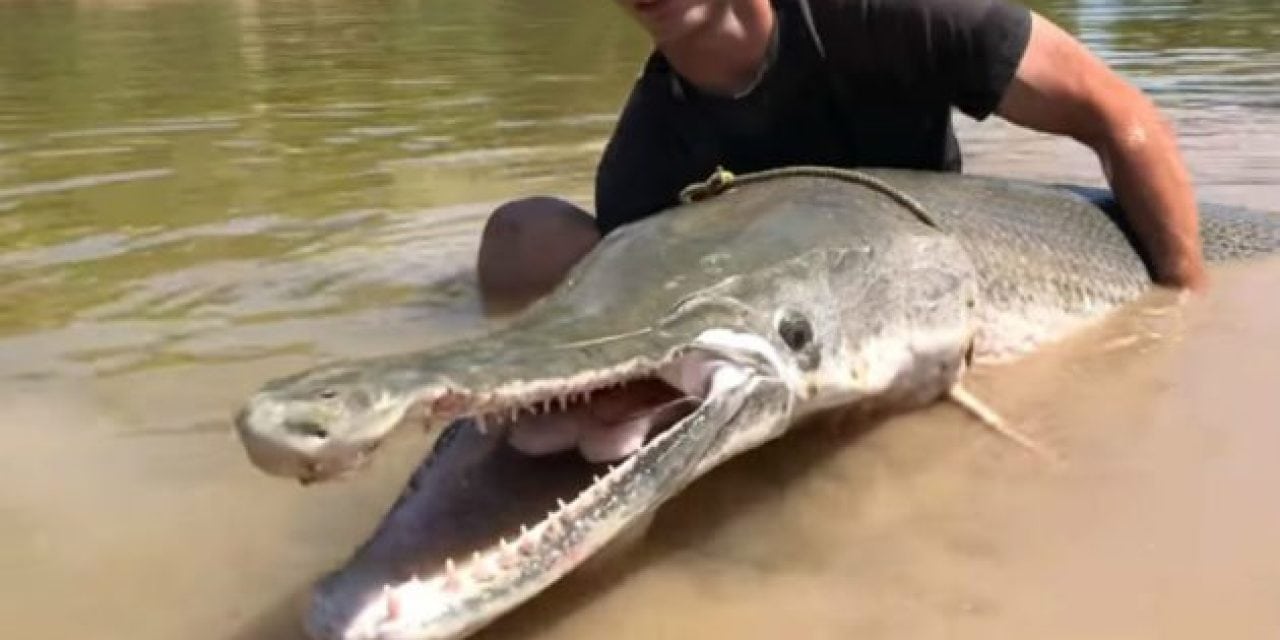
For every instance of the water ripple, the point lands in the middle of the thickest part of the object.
(54, 154)
(144, 129)
(83, 182)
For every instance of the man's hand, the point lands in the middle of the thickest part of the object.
(1062, 88)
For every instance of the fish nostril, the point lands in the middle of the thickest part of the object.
(307, 428)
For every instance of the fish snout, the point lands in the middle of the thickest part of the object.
(285, 445)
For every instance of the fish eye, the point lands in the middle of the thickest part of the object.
(795, 330)
(328, 393)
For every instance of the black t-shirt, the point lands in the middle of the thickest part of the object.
(865, 83)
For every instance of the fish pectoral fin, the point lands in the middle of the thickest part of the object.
(979, 409)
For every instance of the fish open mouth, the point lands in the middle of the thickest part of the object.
(514, 495)
(603, 425)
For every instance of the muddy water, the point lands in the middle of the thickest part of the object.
(196, 196)
(1160, 522)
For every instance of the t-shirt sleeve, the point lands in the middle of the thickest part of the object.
(966, 50)
(638, 172)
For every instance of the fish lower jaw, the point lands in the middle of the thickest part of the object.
(381, 598)
(461, 595)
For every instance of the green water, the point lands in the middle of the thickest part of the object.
(194, 181)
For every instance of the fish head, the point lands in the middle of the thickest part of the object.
(602, 401)
(484, 525)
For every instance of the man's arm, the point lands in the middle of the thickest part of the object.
(1062, 88)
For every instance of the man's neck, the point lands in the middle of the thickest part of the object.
(726, 56)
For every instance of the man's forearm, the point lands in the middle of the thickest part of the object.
(1061, 87)
(1142, 163)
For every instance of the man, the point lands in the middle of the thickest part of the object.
(756, 84)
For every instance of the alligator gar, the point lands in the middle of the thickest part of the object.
(679, 342)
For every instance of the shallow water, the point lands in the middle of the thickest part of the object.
(196, 196)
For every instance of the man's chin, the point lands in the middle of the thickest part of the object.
(673, 27)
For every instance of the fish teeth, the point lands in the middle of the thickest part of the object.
(452, 581)
(507, 557)
(393, 603)
(480, 570)
(554, 526)
(526, 544)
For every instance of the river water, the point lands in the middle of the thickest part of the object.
(197, 195)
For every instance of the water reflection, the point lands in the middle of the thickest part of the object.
(1190, 52)
(121, 123)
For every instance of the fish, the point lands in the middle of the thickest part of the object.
(679, 342)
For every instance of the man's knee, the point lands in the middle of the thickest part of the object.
(528, 245)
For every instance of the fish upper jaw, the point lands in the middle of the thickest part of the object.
(286, 439)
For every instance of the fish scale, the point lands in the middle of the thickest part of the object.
(1051, 259)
